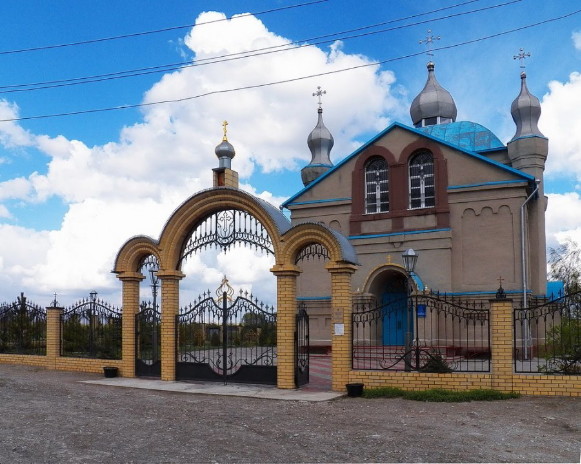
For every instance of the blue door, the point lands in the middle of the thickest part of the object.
(394, 317)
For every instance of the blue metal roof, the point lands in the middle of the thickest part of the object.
(465, 134)
(452, 144)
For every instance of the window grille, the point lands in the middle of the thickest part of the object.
(376, 187)
(422, 189)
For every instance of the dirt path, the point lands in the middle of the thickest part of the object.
(47, 416)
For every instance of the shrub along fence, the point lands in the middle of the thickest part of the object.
(22, 328)
(85, 337)
(91, 328)
(426, 342)
(547, 336)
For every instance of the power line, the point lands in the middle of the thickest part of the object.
(156, 31)
(286, 81)
(245, 54)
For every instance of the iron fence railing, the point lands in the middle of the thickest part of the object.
(22, 328)
(422, 332)
(547, 336)
(91, 328)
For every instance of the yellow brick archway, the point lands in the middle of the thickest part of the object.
(287, 242)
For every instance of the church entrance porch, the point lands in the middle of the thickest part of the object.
(394, 312)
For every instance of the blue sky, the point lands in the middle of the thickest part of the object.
(74, 188)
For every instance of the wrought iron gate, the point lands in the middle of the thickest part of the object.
(148, 342)
(302, 348)
(227, 339)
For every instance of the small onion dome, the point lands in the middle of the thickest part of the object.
(526, 111)
(434, 104)
(320, 142)
(225, 152)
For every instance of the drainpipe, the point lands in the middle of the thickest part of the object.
(526, 334)
(522, 243)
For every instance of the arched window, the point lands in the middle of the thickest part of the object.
(376, 186)
(421, 181)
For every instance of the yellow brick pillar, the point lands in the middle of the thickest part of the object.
(286, 278)
(501, 333)
(341, 309)
(130, 298)
(170, 300)
(53, 335)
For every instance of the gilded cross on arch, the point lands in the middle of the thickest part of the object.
(224, 126)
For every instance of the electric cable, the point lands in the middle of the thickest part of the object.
(240, 55)
(156, 31)
(285, 81)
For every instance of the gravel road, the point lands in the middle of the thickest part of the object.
(49, 417)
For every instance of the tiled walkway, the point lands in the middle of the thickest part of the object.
(319, 374)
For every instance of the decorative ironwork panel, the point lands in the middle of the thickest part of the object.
(226, 228)
(148, 341)
(422, 332)
(22, 328)
(302, 347)
(547, 336)
(91, 328)
(227, 339)
(312, 251)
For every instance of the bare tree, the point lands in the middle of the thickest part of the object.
(565, 265)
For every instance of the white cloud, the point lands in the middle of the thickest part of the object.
(132, 185)
(561, 123)
(11, 134)
(562, 220)
(576, 36)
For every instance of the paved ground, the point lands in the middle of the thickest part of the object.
(49, 416)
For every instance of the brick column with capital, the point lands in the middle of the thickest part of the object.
(341, 309)
(170, 300)
(130, 297)
(286, 279)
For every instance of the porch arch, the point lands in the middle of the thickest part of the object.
(180, 225)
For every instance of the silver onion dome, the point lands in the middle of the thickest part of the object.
(320, 142)
(526, 112)
(434, 104)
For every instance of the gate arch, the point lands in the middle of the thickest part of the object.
(287, 242)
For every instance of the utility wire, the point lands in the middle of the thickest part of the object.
(295, 79)
(245, 54)
(156, 31)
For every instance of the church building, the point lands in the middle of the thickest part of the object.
(472, 208)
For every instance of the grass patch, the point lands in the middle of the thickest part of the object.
(439, 395)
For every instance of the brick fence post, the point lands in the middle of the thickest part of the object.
(53, 335)
(501, 348)
(130, 306)
(341, 310)
(170, 300)
(286, 282)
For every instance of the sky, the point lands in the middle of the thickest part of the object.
(89, 157)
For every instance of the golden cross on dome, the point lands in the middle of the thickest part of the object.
(319, 93)
(521, 57)
(224, 125)
(429, 40)
(500, 279)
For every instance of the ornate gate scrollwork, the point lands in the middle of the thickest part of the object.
(148, 326)
(225, 228)
(225, 339)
